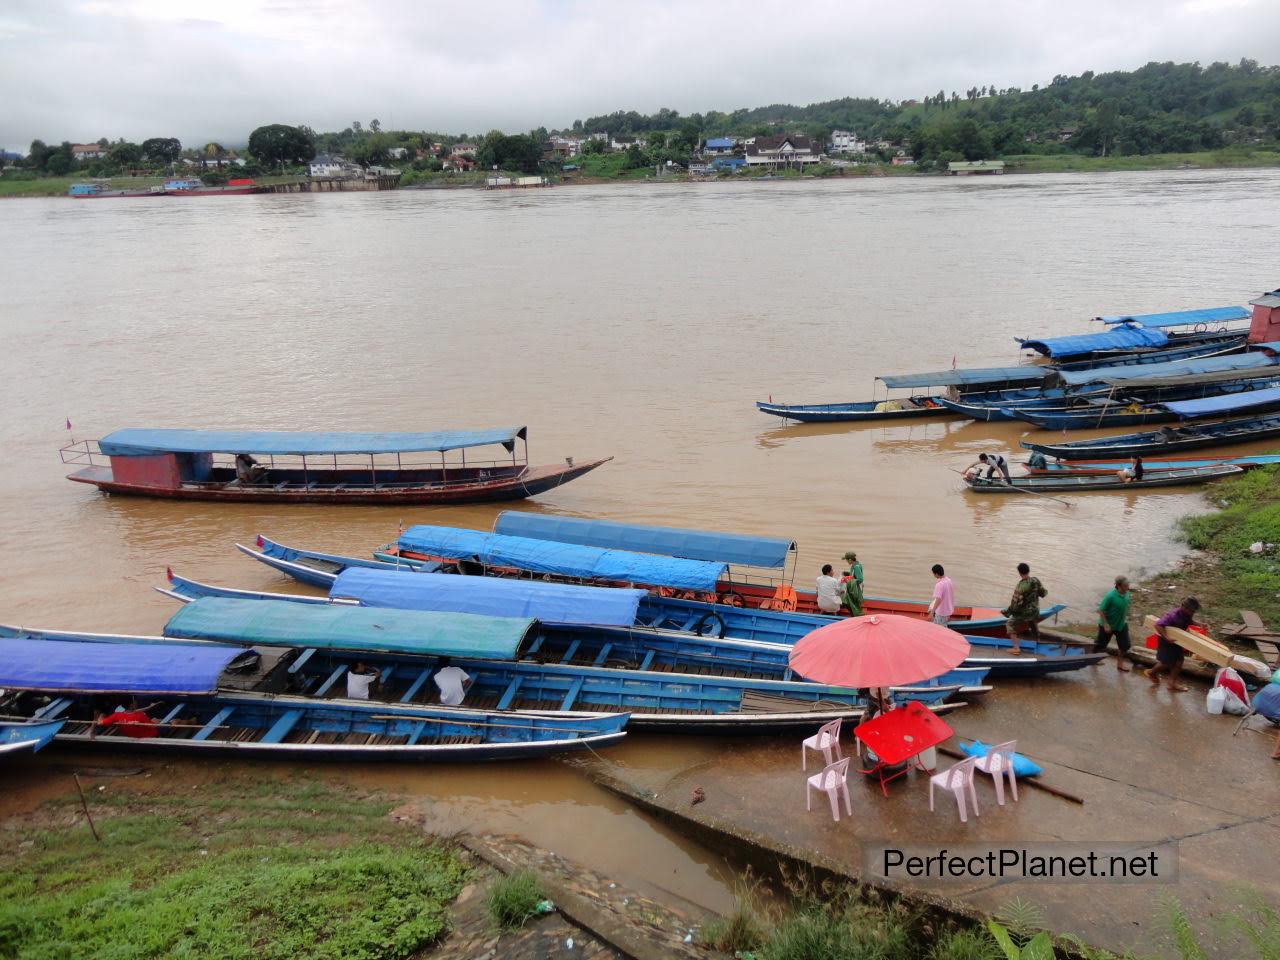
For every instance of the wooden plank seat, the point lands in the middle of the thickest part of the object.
(753, 701)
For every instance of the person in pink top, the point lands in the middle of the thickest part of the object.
(943, 604)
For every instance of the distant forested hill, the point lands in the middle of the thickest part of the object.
(1160, 108)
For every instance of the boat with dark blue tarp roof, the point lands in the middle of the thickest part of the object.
(309, 467)
(165, 696)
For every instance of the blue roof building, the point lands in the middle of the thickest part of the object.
(719, 145)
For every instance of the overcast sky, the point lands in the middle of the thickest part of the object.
(83, 69)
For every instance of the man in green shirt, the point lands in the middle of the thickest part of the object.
(1113, 621)
(853, 595)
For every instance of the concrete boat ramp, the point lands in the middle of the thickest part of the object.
(1150, 765)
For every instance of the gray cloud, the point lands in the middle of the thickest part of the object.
(83, 69)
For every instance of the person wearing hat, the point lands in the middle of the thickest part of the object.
(853, 595)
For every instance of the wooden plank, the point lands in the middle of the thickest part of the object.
(575, 688)
(416, 686)
(571, 652)
(647, 662)
(603, 655)
(280, 729)
(217, 721)
(333, 678)
(51, 709)
(306, 655)
(504, 702)
(536, 645)
(418, 729)
(172, 713)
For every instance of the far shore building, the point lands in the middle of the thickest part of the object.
(782, 151)
(846, 141)
(626, 143)
(325, 165)
(463, 150)
(719, 146)
(88, 151)
(961, 168)
(902, 160)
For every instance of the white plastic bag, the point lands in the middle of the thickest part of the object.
(1215, 700)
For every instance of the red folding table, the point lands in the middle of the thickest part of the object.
(899, 735)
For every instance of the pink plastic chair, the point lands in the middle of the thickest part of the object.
(957, 779)
(997, 762)
(833, 780)
(826, 740)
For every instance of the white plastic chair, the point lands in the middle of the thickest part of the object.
(826, 740)
(957, 779)
(833, 780)
(997, 763)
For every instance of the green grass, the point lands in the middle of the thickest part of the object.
(279, 869)
(1250, 513)
(513, 899)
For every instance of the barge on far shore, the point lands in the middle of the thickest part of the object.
(284, 467)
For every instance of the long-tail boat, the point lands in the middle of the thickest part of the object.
(215, 698)
(283, 467)
(1080, 467)
(562, 603)
(1071, 483)
(1171, 439)
(322, 569)
(316, 661)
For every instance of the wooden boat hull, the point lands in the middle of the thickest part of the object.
(1154, 464)
(320, 569)
(26, 737)
(533, 481)
(915, 408)
(1223, 433)
(1072, 483)
(1086, 420)
(342, 730)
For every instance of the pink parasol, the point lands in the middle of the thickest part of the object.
(878, 651)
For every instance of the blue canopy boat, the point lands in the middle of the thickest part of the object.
(1171, 439)
(969, 620)
(906, 408)
(199, 698)
(543, 646)
(1141, 333)
(288, 467)
(535, 598)
(308, 671)
(26, 736)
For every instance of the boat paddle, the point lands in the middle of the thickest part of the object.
(1035, 493)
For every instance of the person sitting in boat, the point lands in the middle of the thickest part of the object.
(453, 683)
(248, 470)
(993, 462)
(359, 679)
(1133, 471)
(828, 591)
(1037, 461)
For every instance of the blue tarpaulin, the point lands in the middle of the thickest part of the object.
(1190, 367)
(1125, 337)
(347, 627)
(142, 442)
(668, 541)
(1181, 318)
(74, 666)
(490, 596)
(958, 378)
(565, 559)
(1228, 403)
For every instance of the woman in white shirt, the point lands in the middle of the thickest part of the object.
(829, 597)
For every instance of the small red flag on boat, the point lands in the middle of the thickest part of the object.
(400, 529)
(168, 574)
(953, 361)
(68, 423)
(771, 398)
(259, 541)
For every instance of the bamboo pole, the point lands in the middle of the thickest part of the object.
(84, 805)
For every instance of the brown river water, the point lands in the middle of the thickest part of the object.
(638, 322)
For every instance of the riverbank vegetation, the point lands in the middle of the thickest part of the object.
(1228, 574)
(253, 869)
(837, 925)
